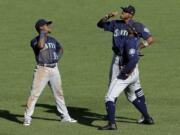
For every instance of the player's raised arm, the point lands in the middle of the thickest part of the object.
(104, 23)
(42, 27)
(146, 36)
(41, 41)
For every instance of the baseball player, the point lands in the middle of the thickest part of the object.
(128, 76)
(119, 28)
(47, 52)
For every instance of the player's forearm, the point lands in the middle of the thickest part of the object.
(146, 43)
(106, 18)
(102, 21)
(61, 51)
(41, 41)
(128, 69)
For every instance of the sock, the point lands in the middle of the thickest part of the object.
(110, 108)
(141, 107)
(140, 95)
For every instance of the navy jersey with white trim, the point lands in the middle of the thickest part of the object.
(119, 30)
(143, 31)
(49, 54)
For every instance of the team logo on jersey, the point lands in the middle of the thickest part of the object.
(132, 51)
(118, 32)
(49, 45)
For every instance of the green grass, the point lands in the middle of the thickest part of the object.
(84, 66)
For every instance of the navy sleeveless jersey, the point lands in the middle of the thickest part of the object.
(49, 54)
(130, 56)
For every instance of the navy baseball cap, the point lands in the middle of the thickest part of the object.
(130, 9)
(41, 22)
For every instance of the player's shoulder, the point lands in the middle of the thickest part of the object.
(119, 21)
(34, 40)
(140, 27)
(52, 38)
(137, 25)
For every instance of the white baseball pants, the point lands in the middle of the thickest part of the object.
(42, 76)
(116, 86)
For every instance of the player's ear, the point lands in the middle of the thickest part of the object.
(41, 27)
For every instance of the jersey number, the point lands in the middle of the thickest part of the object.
(55, 56)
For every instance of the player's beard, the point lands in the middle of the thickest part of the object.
(123, 17)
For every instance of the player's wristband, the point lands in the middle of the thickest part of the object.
(105, 18)
(42, 34)
(145, 43)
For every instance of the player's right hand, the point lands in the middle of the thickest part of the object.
(112, 14)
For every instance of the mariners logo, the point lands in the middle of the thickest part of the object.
(118, 32)
(132, 51)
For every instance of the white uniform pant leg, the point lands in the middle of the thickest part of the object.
(114, 69)
(56, 85)
(40, 80)
(135, 85)
(116, 88)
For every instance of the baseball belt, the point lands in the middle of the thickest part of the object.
(48, 65)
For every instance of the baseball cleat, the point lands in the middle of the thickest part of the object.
(71, 120)
(147, 121)
(109, 126)
(140, 120)
(27, 122)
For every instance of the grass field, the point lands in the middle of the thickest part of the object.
(84, 67)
